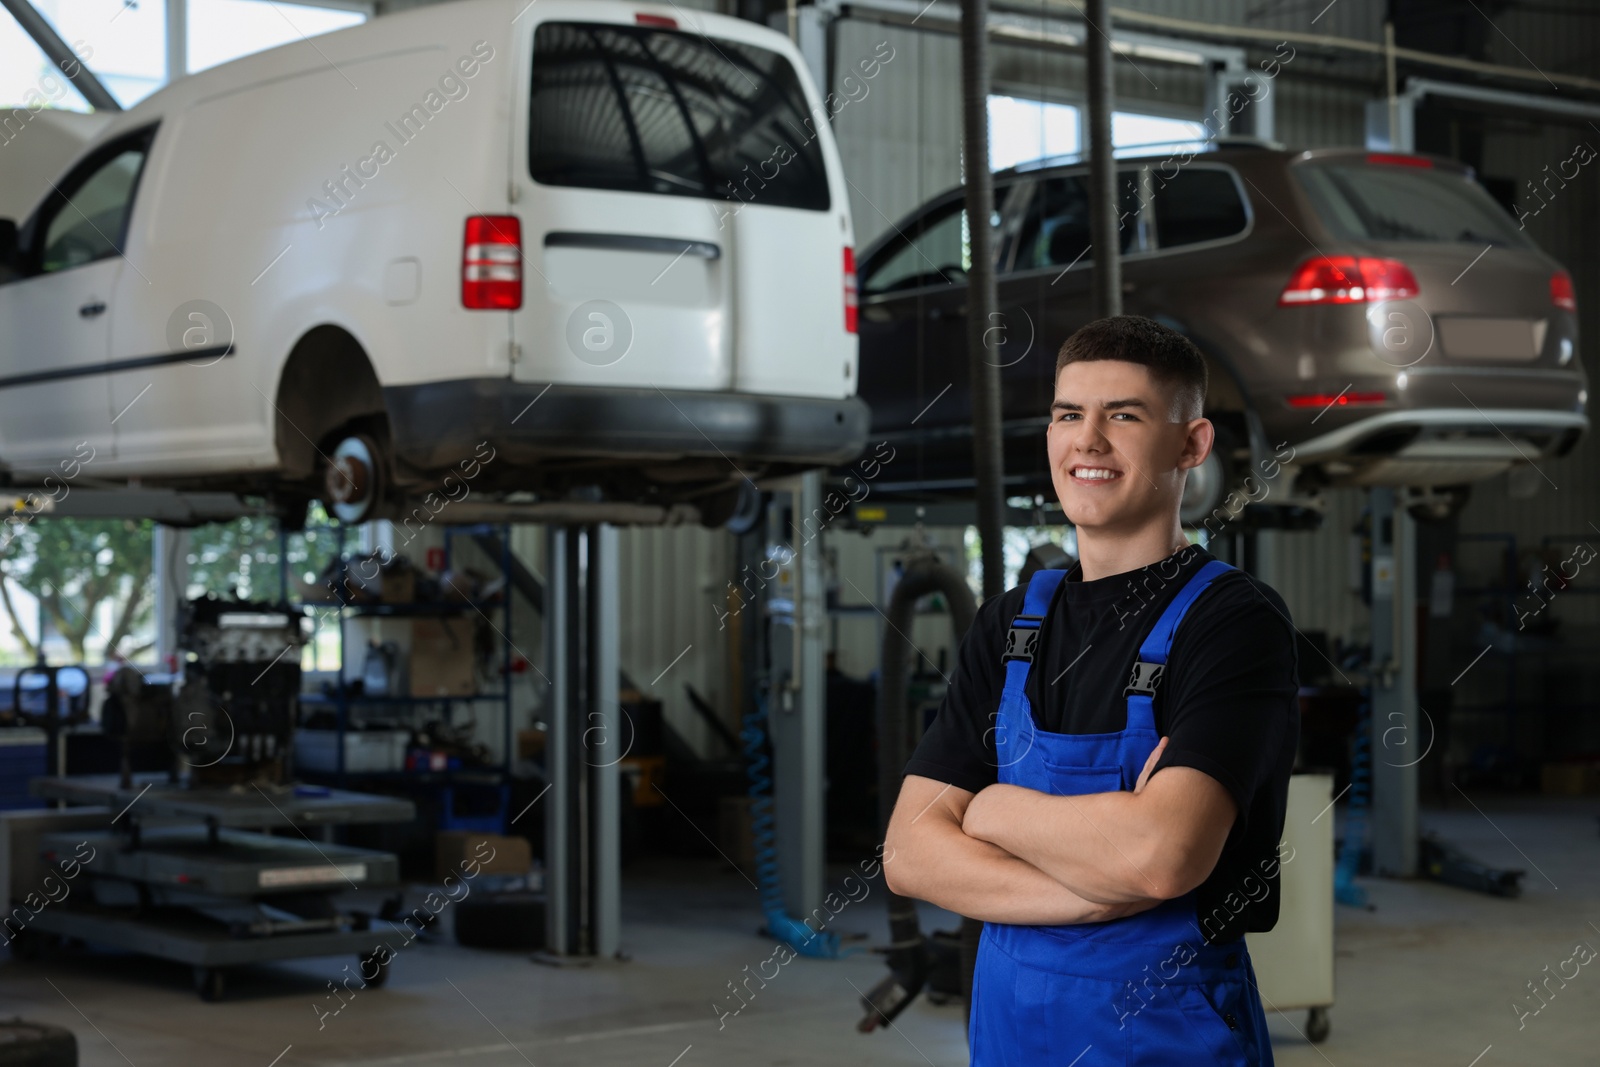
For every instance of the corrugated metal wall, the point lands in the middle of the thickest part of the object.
(671, 593)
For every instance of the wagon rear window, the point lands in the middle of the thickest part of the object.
(1388, 202)
(647, 110)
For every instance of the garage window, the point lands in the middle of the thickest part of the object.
(657, 111)
(1196, 205)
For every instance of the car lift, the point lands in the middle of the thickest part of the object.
(185, 874)
(1402, 732)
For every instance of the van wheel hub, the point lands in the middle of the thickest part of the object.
(350, 480)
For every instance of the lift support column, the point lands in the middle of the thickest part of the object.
(1397, 736)
(584, 743)
(796, 706)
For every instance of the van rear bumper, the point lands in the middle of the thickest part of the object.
(436, 424)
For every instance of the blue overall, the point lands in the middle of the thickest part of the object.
(1140, 991)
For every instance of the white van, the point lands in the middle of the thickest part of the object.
(599, 251)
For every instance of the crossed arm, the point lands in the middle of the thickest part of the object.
(1014, 855)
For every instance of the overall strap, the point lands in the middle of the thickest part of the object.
(1023, 637)
(1022, 640)
(1157, 646)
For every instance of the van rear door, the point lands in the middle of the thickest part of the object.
(680, 229)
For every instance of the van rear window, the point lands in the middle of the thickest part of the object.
(1387, 202)
(648, 110)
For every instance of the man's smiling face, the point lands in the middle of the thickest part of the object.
(1117, 456)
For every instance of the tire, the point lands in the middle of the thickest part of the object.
(25, 1044)
(501, 920)
(354, 478)
(736, 510)
(1317, 1025)
(211, 983)
(381, 961)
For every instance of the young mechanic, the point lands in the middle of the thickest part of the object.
(1105, 782)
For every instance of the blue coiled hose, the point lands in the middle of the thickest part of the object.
(1345, 890)
(800, 937)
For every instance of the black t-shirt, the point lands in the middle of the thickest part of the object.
(1227, 702)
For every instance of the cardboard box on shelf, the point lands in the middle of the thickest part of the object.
(368, 578)
(442, 659)
(648, 775)
(493, 853)
(397, 585)
(530, 743)
(1570, 779)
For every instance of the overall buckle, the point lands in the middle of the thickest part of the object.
(1022, 639)
(1146, 677)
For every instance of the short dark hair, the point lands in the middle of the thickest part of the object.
(1173, 359)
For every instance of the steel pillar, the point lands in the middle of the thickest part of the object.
(585, 739)
(1398, 737)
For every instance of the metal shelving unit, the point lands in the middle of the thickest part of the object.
(1514, 658)
(343, 700)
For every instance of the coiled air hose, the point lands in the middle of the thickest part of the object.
(1345, 890)
(782, 925)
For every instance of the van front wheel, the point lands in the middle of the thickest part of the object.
(353, 478)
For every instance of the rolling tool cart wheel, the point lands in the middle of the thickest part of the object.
(369, 960)
(211, 983)
(1317, 1025)
(25, 1044)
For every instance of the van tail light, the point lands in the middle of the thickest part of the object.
(663, 21)
(1348, 280)
(1561, 294)
(1328, 400)
(491, 263)
(850, 304)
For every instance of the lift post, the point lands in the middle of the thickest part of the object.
(1395, 720)
(795, 717)
(584, 743)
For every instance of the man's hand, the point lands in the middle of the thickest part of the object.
(1150, 765)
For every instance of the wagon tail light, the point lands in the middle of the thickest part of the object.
(851, 305)
(1330, 400)
(491, 263)
(1348, 280)
(1561, 294)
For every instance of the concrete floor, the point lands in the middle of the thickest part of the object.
(1429, 977)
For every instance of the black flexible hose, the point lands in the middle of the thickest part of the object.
(908, 955)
